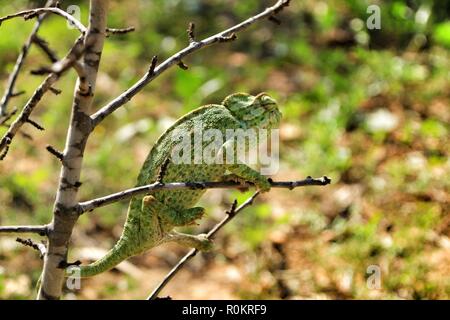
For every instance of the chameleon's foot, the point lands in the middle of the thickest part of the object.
(235, 178)
(172, 216)
(199, 242)
(263, 184)
(245, 172)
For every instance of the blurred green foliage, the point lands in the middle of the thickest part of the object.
(369, 108)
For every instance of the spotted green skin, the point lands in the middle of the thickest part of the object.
(151, 219)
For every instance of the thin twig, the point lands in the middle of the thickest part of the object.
(35, 124)
(227, 35)
(8, 116)
(151, 70)
(43, 45)
(26, 112)
(55, 91)
(19, 62)
(58, 154)
(191, 32)
(32, 13)
(114, 31)
(16, 94)
(4, 124)
(127, 194)
(57, 70)
(230, 215)
(183, 65)
(41, 230)
(40, 247)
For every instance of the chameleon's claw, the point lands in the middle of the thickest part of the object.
(235, 178)
(205, 244)
(264, 184)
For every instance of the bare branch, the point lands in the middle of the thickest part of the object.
(56, 70)
(55, 91)
(40, 247)
(35, 124)
(16, 94)
(58, 154)
(43, 45)
(64, 209)
(191, 32)
(8, 116)
(113, 31)
(32, 13)
(26, 112)
(230, 215)
(226, 35)
(127, 194)
(41, 230)
(19, 62)
(151, 70)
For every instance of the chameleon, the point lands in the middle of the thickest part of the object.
(151, 218)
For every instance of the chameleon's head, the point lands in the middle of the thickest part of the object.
(260, 111)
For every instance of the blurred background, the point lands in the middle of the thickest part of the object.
(368, 108)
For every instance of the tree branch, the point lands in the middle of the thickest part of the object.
(32, 13)
(114, 31)
(40, 247)
(9, 91)
(43, 45)
(127, 194)
(230, 215)
(56, 71)
(41, 230)
(226, 35)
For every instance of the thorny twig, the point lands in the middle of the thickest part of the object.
(40, 247)
(112, 31)
(56, 70)
(9, 91)
(43, 45)
(40, 230)
(127, 194)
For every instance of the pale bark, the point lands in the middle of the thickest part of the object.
(127, 194)
(64, 211)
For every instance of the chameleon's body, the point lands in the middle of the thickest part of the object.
(151, 219)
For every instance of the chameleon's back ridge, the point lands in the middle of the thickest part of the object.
(151, 219)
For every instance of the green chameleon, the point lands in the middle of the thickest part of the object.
(151, 219)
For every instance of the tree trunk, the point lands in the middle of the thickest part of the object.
(65, 213)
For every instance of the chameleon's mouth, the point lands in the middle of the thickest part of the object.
(270, 106)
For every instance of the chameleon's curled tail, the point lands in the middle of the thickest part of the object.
(117, 254)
